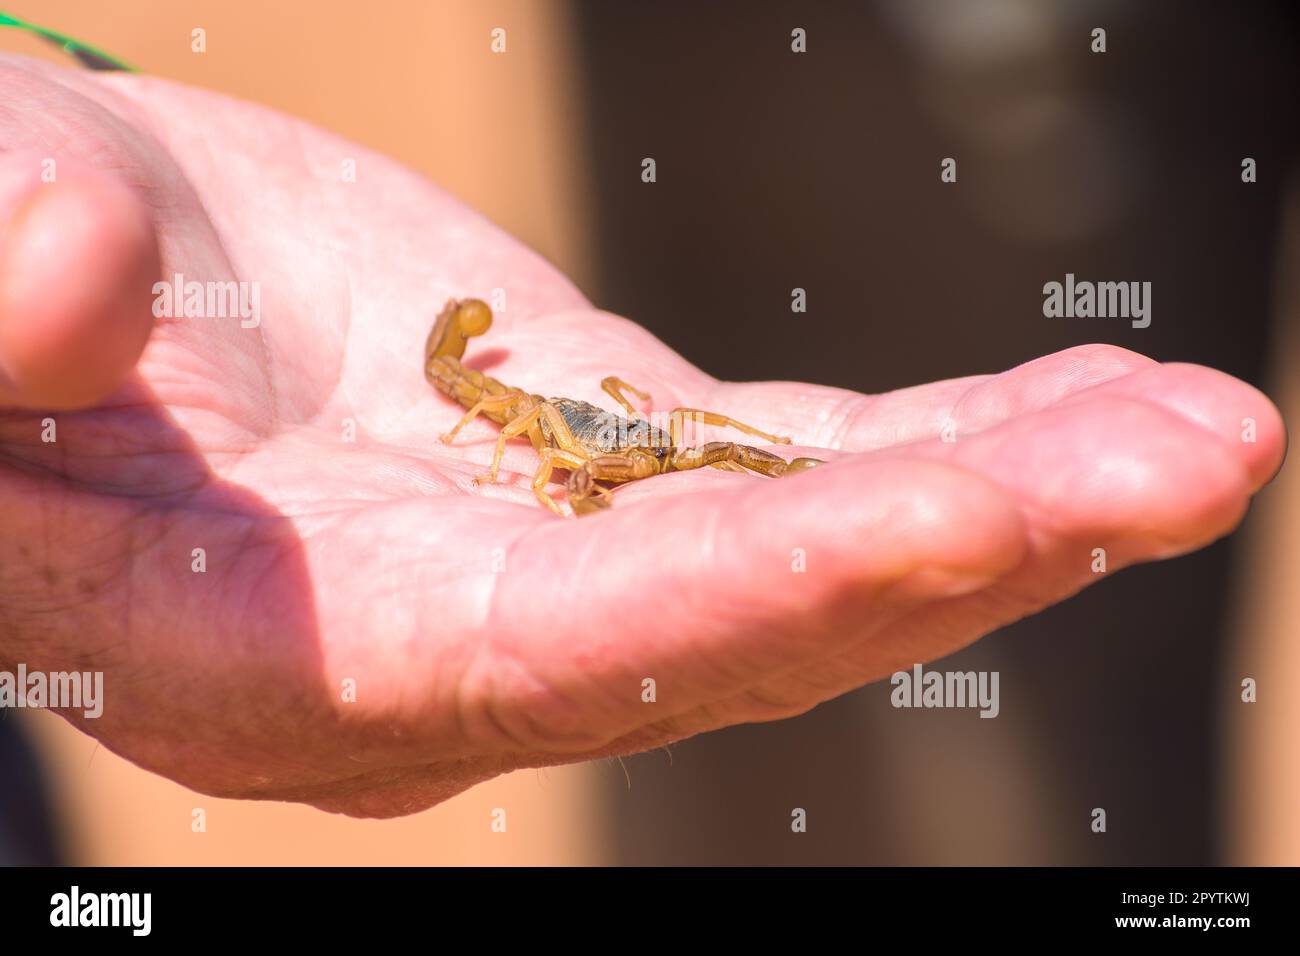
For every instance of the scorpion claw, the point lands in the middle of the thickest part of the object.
(803, 464)
(585, 496)
(586, 506)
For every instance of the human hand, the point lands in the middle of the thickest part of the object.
(482, 633)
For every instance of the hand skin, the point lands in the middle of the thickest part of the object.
(483, 633)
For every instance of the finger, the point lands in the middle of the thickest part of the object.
(824, 417)
(78, 258)
(1238, 414)
(1103, 484)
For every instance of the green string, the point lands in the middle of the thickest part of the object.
(86, 54)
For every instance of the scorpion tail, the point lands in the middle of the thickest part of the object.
(458, 321)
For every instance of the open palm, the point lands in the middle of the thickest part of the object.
(296, 592)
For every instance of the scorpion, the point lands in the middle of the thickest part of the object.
(598, 448)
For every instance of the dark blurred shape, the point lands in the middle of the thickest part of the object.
(820, 170)
(27, 835)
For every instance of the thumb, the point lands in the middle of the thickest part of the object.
(78, 259)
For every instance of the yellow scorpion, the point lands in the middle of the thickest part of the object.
(597, 447)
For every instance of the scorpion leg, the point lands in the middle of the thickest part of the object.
(614, 386)
(676, 420)
(494, 403)
(516, 427)
(560, 437)
(552, 458)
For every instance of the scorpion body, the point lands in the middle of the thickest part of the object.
(597, 447)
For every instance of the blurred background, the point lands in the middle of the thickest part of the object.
(820, 170)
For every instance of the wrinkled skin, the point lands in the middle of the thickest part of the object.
(483, 633)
